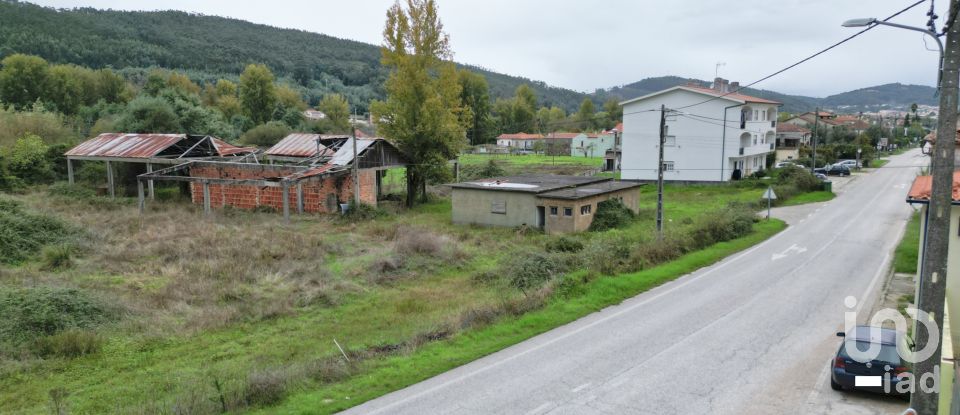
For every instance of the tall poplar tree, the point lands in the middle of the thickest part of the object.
(422, 114)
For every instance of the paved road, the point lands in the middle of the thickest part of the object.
(750, 335)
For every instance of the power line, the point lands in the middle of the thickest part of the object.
(804, 60)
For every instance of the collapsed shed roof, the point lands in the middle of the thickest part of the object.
(301, 145)
(154, 146)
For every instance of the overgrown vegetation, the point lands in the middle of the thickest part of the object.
(24, 234)
(611, 214)
(906, 255)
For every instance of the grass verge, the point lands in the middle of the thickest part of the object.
(905, 256)
(385, 375)
(811, 197)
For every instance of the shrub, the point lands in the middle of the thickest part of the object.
(28, 160)
(611, 214)
(564, 244)
(266, 135)
(801, 178)
(329, 370)
(491, 169)
(57, 256)
(419, 241)
(72, 191)
(606, 255)
(30, 313)
(720, 226)
(362, 212)
(68, 344)
(530, 271)
(23, 234)
(670, 247)
(265, 387)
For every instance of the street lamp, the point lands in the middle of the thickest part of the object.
(873, 21)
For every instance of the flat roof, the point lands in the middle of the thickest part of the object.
(529, 183)
(594, 189)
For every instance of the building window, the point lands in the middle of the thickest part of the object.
(586, 209)
(667, 166)
(553, 211)
(670, 141)
(498, 207)
(567, 211)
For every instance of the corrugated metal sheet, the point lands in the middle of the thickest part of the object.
(125, 145)
(226, 149)
(299, 145)
(142, 146)
(344, 155)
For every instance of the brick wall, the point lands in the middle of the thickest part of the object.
(316, 191)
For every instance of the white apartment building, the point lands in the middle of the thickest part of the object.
(698, 147)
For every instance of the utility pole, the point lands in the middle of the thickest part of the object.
(663, 140)
(816, 124)
(356, 167)
(933, 271)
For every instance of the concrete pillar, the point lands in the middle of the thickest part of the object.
(286, 202)
(206, 197)
(70, 171)
(150, 182)
(110, 179)
(299, 198)
(140, 201)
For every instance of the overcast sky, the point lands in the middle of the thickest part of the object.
(585, 45)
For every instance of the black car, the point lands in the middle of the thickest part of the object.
(836, 170)
(886, 365)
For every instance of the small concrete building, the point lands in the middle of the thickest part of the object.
(554, 203)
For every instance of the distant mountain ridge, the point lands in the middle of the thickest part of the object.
(211, 47)
(888, 96)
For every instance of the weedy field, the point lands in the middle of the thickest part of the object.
(175, 312)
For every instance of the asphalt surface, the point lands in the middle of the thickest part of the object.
(752, 334)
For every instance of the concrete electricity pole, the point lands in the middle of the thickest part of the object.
(663, 140)
(816, 123)
(933, 275)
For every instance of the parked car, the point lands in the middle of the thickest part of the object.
(822, 177)
(853, 164)
(784, 164)
(845, 369)
(837, 170)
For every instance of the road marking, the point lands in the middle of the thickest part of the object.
(580, 388)
(786, 252)
(678, 284)
(540, 408)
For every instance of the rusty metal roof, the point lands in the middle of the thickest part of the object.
(300, 145)
(123, 145)
(344, 155)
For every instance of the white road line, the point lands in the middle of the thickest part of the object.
(540, 409)
(580, 388)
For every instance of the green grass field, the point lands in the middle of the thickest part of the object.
(811, 197)
(244, 301)
(530, 160)
(905, 256)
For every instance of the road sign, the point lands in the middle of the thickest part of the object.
(769, 194)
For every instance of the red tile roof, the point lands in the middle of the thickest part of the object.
(561, 135)
(519, 136)
(922, 185)
(734, 95)
(785, 127)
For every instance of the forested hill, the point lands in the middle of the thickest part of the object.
(889, 96)
(209, 47)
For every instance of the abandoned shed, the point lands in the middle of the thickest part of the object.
(554, 203)
(151, 149)
(319, 186)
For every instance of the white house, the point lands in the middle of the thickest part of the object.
(698, 147)
(520, 141)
